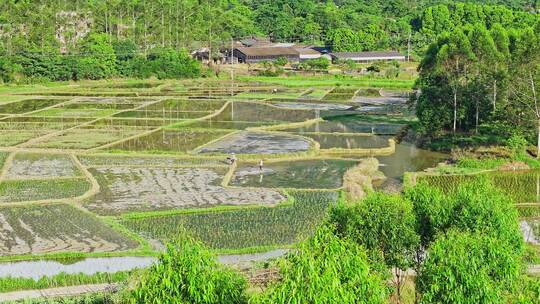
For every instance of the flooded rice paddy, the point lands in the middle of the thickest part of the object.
(106, 162)
(56, 228)
(32, 165)
(258, 143)
(308, 174)
(125, 189)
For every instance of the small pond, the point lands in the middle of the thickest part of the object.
(407, 158)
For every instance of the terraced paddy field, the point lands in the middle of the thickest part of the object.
(54, 228)
(522, 186)
(99, 169)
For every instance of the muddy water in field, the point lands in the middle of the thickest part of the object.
(311, 106)
(29, 165)
(125, 189)
(229, 125)
(407, 158)
(530, 229)
(255, 112)
(258, 142)
(329, 141)
(321, 174)
(170, 140)
(349, 127)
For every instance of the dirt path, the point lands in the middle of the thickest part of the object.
(68, 291)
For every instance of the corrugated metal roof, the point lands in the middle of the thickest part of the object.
(307, 51)
(268, 51)
(367, 55)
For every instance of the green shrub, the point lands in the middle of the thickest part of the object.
(468, 268)
(476, 206)
(382, 223)
(188, 273)
(327, 269)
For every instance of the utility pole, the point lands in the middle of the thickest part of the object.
(232, 50)
(409, 47)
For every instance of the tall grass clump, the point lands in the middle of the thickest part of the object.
(358, 181)
(327, 269)
(188, 273)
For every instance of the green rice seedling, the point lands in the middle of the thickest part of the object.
(41, 124)
(528, 211)
(3, 156)
(340, 94)
(12, 191)
(57, 228)
(242, 228)
(8, 284)
(83, 112)
(521, 186)
(28, 105)
(12, 138)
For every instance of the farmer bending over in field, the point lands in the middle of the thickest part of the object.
(231, 159)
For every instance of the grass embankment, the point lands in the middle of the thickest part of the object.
(326, 81)
(14, 284)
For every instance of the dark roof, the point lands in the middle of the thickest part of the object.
(268, 51)
(307, 51)
(367, 55)
(255, 41)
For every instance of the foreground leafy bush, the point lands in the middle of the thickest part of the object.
(382, 223)
(327, 269)
(476, 206)
(188, 273)
(468, 268)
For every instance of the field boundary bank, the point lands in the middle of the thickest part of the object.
(52, 134)
(187, 122)
(66, 291)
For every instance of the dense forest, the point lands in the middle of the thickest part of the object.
(483, 83)
(47, 39)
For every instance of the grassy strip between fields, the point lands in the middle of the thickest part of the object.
(318, 81)
(9, 284)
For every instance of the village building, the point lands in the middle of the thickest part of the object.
(367, 57)
(307, 53)
(260, 54)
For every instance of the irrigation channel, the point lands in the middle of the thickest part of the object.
(109, 173)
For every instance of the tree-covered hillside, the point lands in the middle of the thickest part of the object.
(55, 24)
(94, 39)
